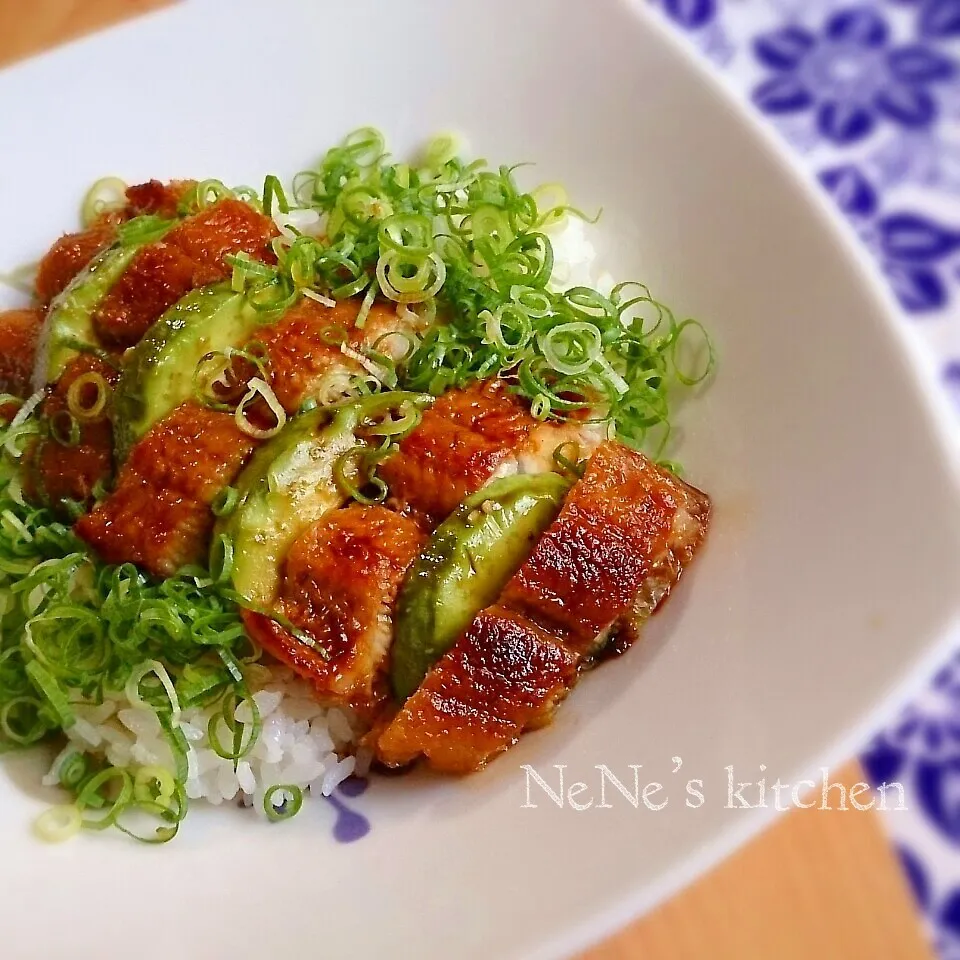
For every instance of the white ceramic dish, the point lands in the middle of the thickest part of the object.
(830, 576)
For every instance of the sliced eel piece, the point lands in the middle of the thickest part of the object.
(469, 437)
(625, 521)
(190, 255)
(19, 333)
(341, 584)
(159, 516)
(306, 348)
(157, 198)
(69, 255)
(60, 473)
(73, 251)
(621, 541)
(504, 675)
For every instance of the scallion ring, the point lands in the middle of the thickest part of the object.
(225, 502)
(87, 397)
(109, 791)
(221, 562)
(154, 785)
(73, 769)
(259, 388)
(59, 823)
(699, 345)
(408, 281)
(353, 471)
(281, 802)
(64, 429)
(133, 689)
(104, 196)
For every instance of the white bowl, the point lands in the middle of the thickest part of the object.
(831, 573)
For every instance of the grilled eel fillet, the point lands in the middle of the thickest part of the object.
(159, 516)
(625, 534)
(342, 580)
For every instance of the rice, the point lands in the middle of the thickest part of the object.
(575, 257)
(301, 743)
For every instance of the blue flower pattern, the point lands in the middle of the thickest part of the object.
(850, 75)
(869, 94)
(936, 19)
(910, 247)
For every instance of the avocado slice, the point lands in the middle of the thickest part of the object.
(158, 373)
(288, 485)
(68, 328)
(465, 566)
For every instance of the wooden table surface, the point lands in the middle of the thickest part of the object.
(817, 884)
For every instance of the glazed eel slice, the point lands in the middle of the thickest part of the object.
(314, 349)
(19, 333)
(341, 585)
(469, 437)
(55, 472)
(73, 251)
(159, 516)
(63, 471)
(620, 543)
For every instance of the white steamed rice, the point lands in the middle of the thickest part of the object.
(301, 744)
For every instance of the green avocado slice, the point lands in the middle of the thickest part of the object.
(465, 566)
(158, 373)
(287, 486)
(68, 329)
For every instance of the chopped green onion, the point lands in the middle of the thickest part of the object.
(154, 785)
(570, 465)
(225, 502)
(21, 720)
(282, 802)
(313, 295)
(200, 684)
(133, 689)
(142, 230)
(64, 429)
(273, 190)
(460, 237)
(73, 769)
(51, 690)
(365, 306)
(110, 792)
(206, 194)
(242, 739)
(398, 428)
(258, 387)
(59, 823)
(83, 407)
(355, 470)
(149, 814)
(410, 281)
(221, 565)
(106, 195)
(696, 348)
